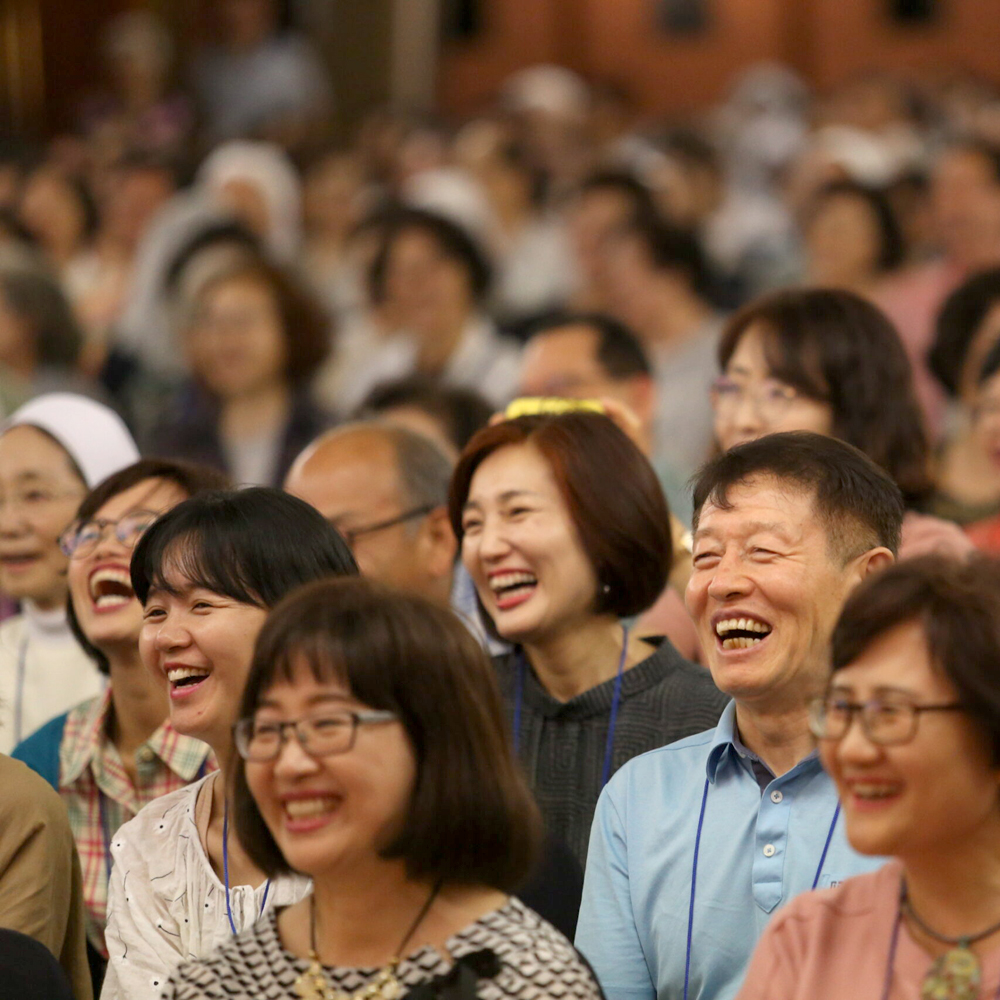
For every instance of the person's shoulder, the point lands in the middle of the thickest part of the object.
(28, 798)
(663, 769)
(40, 750)
(164, 816)
(535, 958)
(246, 964)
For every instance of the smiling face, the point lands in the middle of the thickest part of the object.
(99, 582)
(522, 549)
(926, 796)
(765, 593)
(40, 492)
(236, 343)
(755, 403)
(200, 645)
(333, 812)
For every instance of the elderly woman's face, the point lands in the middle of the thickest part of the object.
(522, 549)
(938, 789)
(749, 402)
(333, 813)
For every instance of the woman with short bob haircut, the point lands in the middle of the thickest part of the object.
(828, 361)
(206, 573)
(909, 729)
(565, 531)
(375, 759)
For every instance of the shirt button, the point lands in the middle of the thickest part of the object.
(769, 850)
(776, 796)
(145, 755)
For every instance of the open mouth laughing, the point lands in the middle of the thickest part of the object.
(741, 633)
(185, 680)
(110, 588)
(512, 587)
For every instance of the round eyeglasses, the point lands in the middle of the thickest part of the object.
(321, 736)
(886, 722)
(81, 538)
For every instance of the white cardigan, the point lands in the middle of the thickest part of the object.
(166, 905)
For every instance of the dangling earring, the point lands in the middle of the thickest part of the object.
(606, 589)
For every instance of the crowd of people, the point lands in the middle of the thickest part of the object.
(547, 554)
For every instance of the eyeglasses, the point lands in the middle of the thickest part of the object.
(261, 742)
(81, 538)
(36, 499)
(888, 723)
(771, 399)
(352, 534)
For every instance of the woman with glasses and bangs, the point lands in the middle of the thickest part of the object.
(206, 574)
(909, 729)
(375, 759)
(113, 753)
(827, 361)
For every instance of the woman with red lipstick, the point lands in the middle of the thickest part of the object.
(375, 759)
(52, 450)
(909, 729)
(565, 532)
(206, 573)
(112, 754)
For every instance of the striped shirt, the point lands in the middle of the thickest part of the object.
(562, 744)
(100, 796)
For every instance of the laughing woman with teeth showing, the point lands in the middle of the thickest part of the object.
(565, 532)
(206, 574)
(112, 754)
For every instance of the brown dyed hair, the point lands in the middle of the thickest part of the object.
(612, 493)
(471, 818)
(835, 347)
(957, 604)
(304, 322)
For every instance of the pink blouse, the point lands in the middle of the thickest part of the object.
(835, 944)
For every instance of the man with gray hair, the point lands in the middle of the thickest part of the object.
(385, 489)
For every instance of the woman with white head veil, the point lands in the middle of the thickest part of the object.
(52, 451)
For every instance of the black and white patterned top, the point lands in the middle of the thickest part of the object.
(536, 963)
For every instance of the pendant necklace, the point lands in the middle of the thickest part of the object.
(956, 974)
(314, 985)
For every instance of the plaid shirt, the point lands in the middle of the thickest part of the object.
(100, 796)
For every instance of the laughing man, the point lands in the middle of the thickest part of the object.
(696, 845)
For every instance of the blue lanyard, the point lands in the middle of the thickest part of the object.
(694, 878)
(225, 871)
(616, 697)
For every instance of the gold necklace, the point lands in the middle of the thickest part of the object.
(955, 975)
(314, 985)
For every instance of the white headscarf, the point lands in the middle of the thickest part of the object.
(268, 168)
(93, 435)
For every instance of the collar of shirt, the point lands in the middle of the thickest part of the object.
(90, 741)
(727, 747)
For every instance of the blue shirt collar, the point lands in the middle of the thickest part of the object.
(727, 745)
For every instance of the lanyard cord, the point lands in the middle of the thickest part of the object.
(225, 871)
(609, 744)
(694, 882)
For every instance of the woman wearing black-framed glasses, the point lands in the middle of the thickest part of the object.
(909, 728)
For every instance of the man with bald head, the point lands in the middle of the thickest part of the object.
(385, 489)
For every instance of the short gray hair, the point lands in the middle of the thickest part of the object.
(424, 468)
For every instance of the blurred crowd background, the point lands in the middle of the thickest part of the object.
(236, 239)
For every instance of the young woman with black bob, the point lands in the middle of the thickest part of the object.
(375, 759)
(206, 573)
